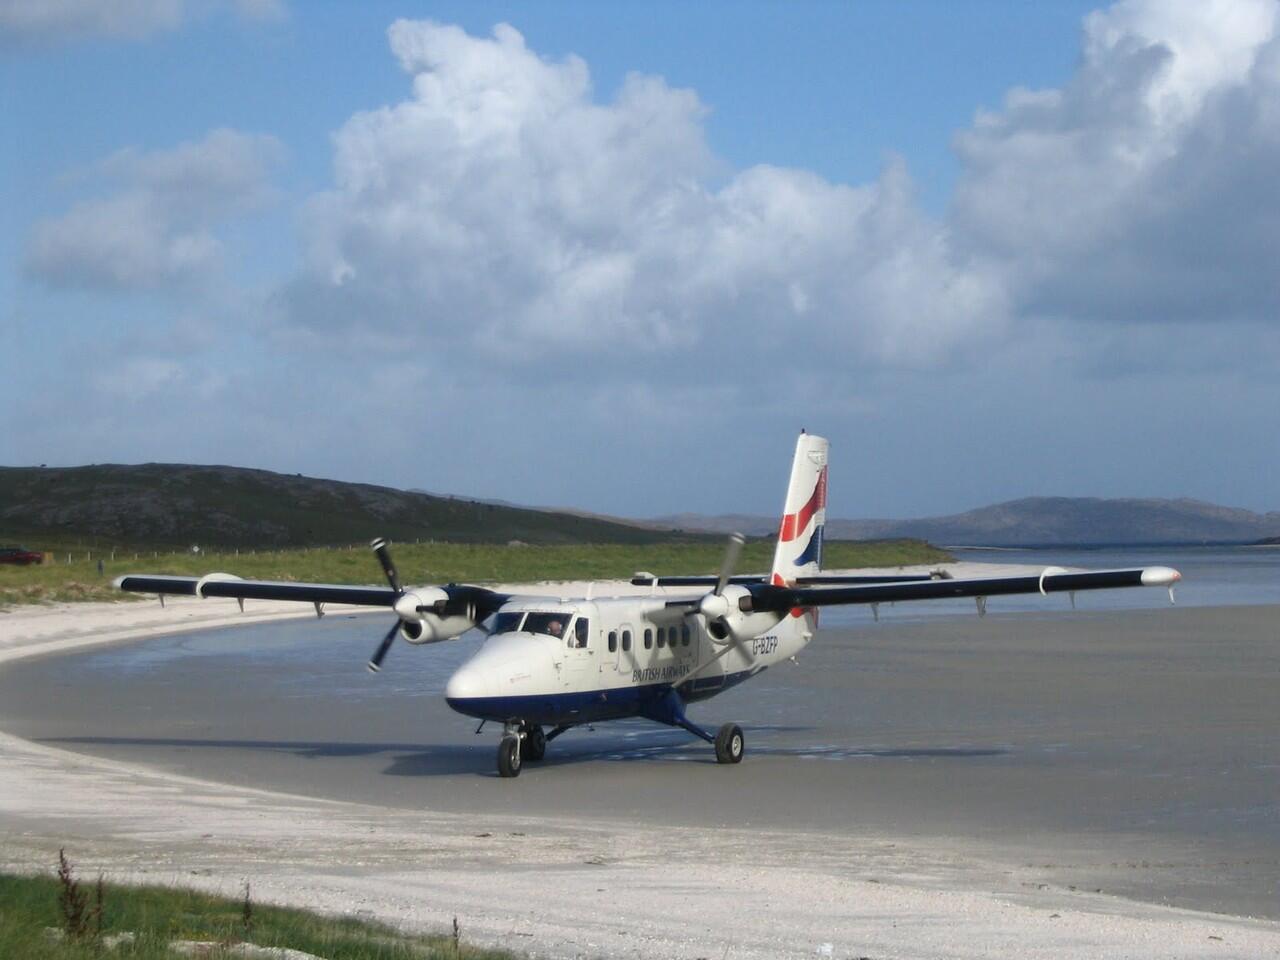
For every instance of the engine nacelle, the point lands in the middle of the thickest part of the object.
(429, 628)
(428, 615)
(726, 618)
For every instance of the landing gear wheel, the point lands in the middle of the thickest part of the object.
(729, 744)
(533, 746)
(509, 756)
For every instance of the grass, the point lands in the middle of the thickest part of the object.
(59, 580)
(156, 915)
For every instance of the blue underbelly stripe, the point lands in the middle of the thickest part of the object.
(590, 705)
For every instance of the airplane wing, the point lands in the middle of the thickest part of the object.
(649, 580)
(221, 585)
(764, 597)
(424, 614)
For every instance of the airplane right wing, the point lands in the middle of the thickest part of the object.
(766, 597)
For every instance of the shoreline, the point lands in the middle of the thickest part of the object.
(533, 884)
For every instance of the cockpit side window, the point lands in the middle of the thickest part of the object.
(507, 622)
(581, 629)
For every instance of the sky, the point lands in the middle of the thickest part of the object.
(615, 256)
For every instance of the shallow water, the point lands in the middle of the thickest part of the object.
(1212, 577)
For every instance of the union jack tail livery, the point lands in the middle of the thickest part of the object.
(799, 551)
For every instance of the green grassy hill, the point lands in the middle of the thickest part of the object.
(177, 505)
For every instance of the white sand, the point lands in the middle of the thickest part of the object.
(548, 887)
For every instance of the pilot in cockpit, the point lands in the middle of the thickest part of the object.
(556, 629)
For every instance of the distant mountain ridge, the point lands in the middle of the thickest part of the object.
(1037, 521)
(183, 504)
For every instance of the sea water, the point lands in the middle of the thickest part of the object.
(1212, 576)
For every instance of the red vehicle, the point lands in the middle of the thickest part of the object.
(20, 556)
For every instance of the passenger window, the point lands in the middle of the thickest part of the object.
(613, 641)
(662, 637)
(626, 639)
(648, 638)
(684, 635)
(580, 630)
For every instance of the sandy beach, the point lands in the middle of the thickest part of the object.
(519, 864)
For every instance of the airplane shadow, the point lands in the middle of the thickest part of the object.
(440, 760)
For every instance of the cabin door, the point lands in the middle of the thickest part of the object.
(581, 655)
(626, 658)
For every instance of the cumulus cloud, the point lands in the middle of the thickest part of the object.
(1142, 188)
(159, 227)
(45, 22)
(502, 207)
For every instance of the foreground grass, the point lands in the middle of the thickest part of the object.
(430, 563)
(157, 915)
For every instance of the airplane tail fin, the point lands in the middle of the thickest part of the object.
(799, 550)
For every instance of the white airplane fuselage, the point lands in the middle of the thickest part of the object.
(615, 657)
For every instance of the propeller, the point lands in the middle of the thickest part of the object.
(384, 557)
(380, 550)
(375, 662)
(715, 605)
(732, 553)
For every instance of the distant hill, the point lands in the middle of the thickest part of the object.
(178, 504)
(1038, 521)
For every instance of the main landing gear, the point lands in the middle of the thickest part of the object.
(729, 744)
(728, 740)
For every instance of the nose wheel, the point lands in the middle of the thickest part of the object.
(509, 759)
(521, 742)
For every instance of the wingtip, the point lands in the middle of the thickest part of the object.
(1160, 577)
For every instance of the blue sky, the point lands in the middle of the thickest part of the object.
(615, 255)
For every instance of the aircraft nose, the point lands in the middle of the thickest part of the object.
(469, 682)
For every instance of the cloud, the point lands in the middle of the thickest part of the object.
(159, 228)
(1142, 188)
(509, 259)
(503, 210)
(49, 22)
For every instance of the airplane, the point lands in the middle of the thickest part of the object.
(549, 664)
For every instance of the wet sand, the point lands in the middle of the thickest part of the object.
(1134, 753)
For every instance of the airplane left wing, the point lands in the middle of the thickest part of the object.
(424, 614)
(224, 585)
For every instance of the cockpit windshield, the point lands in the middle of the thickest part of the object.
(507, 622)
(552, 624)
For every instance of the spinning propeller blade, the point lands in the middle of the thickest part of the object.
(384, 557)
(731, 554)
(375, 662)
(714, 605)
